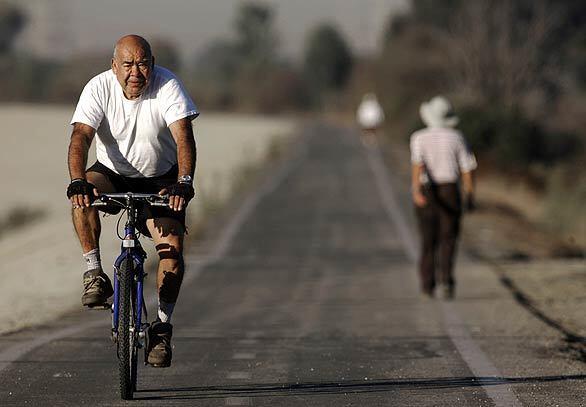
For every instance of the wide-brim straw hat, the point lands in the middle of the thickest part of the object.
(438, 112)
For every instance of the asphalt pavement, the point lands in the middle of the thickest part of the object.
(307, 295)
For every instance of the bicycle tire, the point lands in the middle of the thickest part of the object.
(125, 337)
(134, 339)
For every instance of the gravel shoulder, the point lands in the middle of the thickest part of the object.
(543, 272)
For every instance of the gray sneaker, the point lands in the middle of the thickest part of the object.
(97, 288)
(159, 344)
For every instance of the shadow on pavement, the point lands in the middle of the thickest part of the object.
(354, 386)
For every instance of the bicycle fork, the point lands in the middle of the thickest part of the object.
(131, 248)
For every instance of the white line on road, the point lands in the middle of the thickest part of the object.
(238, 401)
(244, 356)
(239, 375)
(16, 351)
(221, 246)
(254, 334)
(248, 341)
(390, 202)
(474, 357)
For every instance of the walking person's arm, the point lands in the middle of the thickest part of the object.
(417, 169)
(469, 185)
(468, 165)
(418, 197)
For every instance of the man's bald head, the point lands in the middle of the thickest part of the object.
(133, 63)
(132, 42)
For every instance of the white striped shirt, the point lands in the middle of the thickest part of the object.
(443, 152)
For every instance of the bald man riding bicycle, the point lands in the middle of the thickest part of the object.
(140, 115)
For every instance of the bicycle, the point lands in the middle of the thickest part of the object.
(128, 307)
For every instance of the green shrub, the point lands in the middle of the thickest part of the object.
(513, 140)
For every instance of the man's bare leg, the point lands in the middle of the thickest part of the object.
(86, 220)
(87, 226)
(97, 286)
(168, 235)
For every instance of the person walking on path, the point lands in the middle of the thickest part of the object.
(370, 117)
(440, 160)
(140, 115)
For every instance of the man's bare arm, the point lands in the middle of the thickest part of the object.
(418, 197)
(468, 182)
(180, 193)
(182, 133)
(81, 140)
(468, 185)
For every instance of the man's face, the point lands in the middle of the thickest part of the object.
(132, 66)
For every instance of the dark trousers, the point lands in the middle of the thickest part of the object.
(439, 225)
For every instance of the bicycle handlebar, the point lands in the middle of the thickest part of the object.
(123, 199)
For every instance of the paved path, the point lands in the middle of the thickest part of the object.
(308, 297)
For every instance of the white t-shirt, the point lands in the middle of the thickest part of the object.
(132, 136)
(443, 152)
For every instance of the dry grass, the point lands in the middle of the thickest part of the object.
(509, 223)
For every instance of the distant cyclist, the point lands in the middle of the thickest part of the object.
(370, 117)
(141, 116)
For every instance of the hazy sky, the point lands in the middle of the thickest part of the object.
(65, 27)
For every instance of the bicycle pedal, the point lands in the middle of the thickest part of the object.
(100, 307)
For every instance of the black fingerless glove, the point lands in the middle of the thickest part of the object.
(80, 186)
(182, 189)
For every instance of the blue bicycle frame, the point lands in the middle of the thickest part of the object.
(131, 253)
(130, 248)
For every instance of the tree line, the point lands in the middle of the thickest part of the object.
(244, 73)
(515, 70)
(511, 66)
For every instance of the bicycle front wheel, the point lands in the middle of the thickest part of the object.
(126, 334)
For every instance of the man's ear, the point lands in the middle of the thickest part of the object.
(114, 67)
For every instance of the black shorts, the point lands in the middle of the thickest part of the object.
(151, 185)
